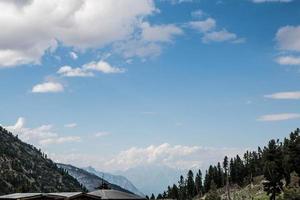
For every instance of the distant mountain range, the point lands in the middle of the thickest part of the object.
(115, 179)
(24, 168)
(89, 180)
(151, 179)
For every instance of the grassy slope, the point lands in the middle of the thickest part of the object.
(250, 192)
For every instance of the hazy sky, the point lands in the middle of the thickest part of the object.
(118, 84)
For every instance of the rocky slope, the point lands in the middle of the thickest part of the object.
(24, 168)
(87, 179)
(116, 179)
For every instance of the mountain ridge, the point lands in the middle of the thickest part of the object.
(89, 180)
(24, 168)
(119, 180)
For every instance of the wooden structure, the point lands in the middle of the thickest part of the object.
(107, 194)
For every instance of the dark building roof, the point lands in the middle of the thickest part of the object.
(57, 196)
(115, 195)
(98, 194)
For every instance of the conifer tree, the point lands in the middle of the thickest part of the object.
(225, 166)
(152, 196)
(273, 170)
(198, 183)
(190, 185)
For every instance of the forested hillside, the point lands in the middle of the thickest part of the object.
(24, 168)
(275, 163)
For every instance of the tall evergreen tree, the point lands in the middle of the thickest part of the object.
(182, 189)
(198, 183)
(190, 185)
(273, 170)
(225, 166)
(152, 196)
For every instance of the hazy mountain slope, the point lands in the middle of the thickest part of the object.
(87, 179)
(152, 179)
(115, 179)
(23, 168)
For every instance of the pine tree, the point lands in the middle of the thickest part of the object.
(273, 170)
(174, 192)
(152, 196)
(225, 166)
(182, 189)
(198, 183)
(220, 177)
(190, 185)
(159, 196)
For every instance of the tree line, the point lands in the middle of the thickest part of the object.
(275, 162)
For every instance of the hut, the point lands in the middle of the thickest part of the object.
(115, 195)
(95, 195)
(50, 196)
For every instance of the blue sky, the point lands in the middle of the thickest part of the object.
(120, 84)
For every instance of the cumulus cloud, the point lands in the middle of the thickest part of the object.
(284, 95)
(204, 25)
(68, 71)
(209, 33)
(288, 38)
(288, 60)
(174, 156)
(149, 42)
(80, 24)
(219, 36)
(160, 33)
(103, 67)
(42, 135)
(47, 87)
(87, 70)
(279, 117)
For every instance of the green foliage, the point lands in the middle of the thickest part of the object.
(276, 162)
(213, 194)
(273, 169)
(292, 193)
(24, 168)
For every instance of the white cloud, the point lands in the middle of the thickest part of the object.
(149, 41)
(209, 33)
(139, 48)
(288, 60)
(73, 55)
(103, 67)
(265, 1)
(42, 135)
(284, 95)
(48, 87)
(174, 156)
(204, 25)
(70, 125)
(160, 33)
(82, 24)
(59, 140)
(68, 71)
(87, 70)
(279, 117)
(219, 36)
(288, 38)
(102, 134)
